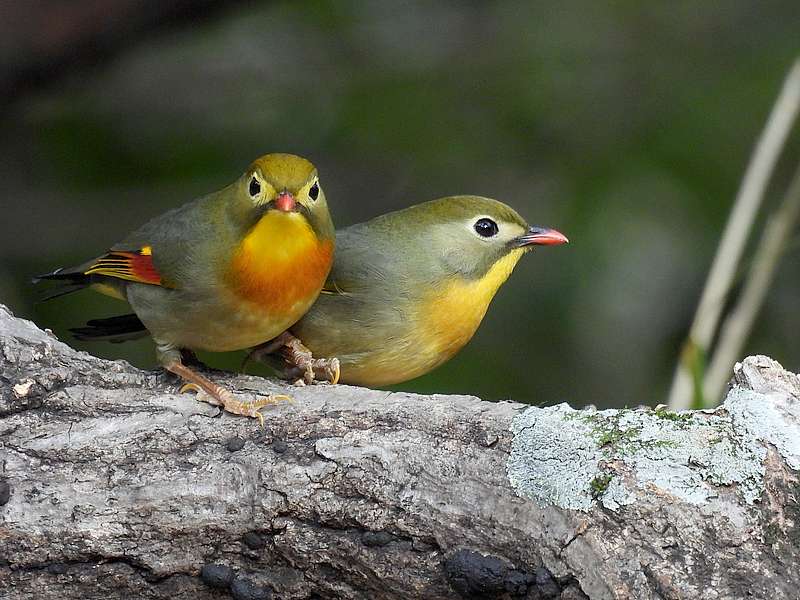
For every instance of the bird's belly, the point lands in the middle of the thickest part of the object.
(234, 331)
(387, 366)
(432, 332)
(225, 324)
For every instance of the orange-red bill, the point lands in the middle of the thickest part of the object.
(542, 236)
(285, 202)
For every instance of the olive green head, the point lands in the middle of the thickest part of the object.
(466, 235)
(287, 183)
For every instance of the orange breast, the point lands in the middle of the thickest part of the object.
(281, 265)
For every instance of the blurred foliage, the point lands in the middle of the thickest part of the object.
(626, 125)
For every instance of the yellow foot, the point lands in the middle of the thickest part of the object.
(191, 387)
(308, 370)
(331, 369)
(326, 370)
(300, 364)
(219, 396)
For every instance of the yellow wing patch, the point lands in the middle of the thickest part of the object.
(128, 265)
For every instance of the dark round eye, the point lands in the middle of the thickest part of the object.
(313, 191)
(485, 227)
(255, 187)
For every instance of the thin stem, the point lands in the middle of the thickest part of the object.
(737, 326)
(737, 231)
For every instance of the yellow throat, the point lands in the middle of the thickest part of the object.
(455, 310)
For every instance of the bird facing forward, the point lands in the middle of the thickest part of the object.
(225, 272)
(409, 289)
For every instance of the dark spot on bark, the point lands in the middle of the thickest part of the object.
(573, 592)
(5, 492)
(57, 568)
(474, 575)
(376, 538)
(422, 546)
(235, 444)
(244, 589)
(216, 576)
(279, 446)
(254, 541)
(546, 586)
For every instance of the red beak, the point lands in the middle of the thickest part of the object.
(285, 202)
(542, 236)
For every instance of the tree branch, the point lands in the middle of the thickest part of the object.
(113, 486)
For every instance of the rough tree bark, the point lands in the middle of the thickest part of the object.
(114, 486)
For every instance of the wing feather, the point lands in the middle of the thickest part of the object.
(131, 265)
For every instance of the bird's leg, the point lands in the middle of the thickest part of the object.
(215, 394)
(189, 358)
(300, 362)
(258, 353)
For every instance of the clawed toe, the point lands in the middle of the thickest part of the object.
(326, 370)
(189, 387)
(210, 392)
(253, 407)
(201, 394)
(331, 369)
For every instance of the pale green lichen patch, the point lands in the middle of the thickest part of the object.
(573, 458)
(765, 417)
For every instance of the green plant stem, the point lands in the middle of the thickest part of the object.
(737, 231)
(737, 326)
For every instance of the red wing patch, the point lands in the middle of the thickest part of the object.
(134, 265)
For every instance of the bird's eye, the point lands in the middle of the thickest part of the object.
(255, 187)
(486, 228)
(313, 191)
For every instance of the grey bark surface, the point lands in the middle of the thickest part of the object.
(114, 486)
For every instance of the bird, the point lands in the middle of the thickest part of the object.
(408, 290)
(227, 271)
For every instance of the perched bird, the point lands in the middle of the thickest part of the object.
(408, 289)
(225, 272)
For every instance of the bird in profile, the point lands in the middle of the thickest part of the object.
(225, 272)
(407, 291)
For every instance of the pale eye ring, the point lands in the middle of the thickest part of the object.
(313, 191)
(254, 188)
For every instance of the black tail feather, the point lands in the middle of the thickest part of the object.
(60, 290)
(67, 281)
(113, 329)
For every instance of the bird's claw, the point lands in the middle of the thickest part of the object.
(300, 364)
(201, 394)
(310, 371)
(229, 403)
(253, 407)
(332, 370)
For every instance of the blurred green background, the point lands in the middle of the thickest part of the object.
(626, 125)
